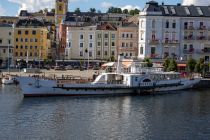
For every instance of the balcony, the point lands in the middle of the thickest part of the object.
(155, 56)
(202, 28)
(188, 51)
(154, 41)
(189, 38)
(201, 38)
(166, 41)
(189, 28)
(203, 51)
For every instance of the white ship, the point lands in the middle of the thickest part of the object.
(137, 80)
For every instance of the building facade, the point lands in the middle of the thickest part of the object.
(174, 31)
(80, 43)
(6, 44)
(128, 40)
(31, 40)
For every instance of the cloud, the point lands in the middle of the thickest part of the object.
(196, 2)
(130, 7)
(106, 4)
(2, 11)
(33, 5)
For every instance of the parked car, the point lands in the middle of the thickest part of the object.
(59, 68)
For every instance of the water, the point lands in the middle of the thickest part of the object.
(184, 115)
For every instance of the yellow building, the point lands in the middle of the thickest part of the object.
(31, 40)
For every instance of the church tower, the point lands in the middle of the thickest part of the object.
(61, 8)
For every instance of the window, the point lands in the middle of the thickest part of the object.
(35, 54)
(26, 40)
(34, 32)
(26, 47)
(105, 53)
(60, 8)
(113, 53)
(17, 47)
(127, 35)
(25, 53)
(131, 35)
(31, 40)
(174, 24)
(4, 50)
(123, 44)
(99, 43)
(0, 41)
(98, 53)
(21, 40)
(90, 45)
(10, 33)
(113, 36)
(113, 43)
(81, 45)
(30, 54)
(16, 39)
(69, 44)
(106, 35)
(21, 47)
(31, 47)
(106, 43)
(91, 37)
(167, 24)
(123, 35)
(9, 41)
(153, 23)
(141, 50)
(90, 54)
(19, 32)
(99, 35)
(185, 46)
(131, 44)
(16, 53)
(81, 53)
(35, 47)
(81, 36)
(26, 32)
(21, 54)
(35, 40)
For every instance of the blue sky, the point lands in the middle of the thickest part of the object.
(11, 7)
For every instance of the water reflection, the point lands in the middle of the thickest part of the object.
(184, 115)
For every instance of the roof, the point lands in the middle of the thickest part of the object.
(177, 10)
(107, 26)
(129, 24)
(30, 22)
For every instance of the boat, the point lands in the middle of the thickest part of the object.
(7, 80)
(139, 79)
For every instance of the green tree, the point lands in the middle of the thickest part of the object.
(166, 64)
(134, 12)
(45, 10)
(172, 65)
(199, 67)
(77, 10)
(125, 11)
(191, 65)
(53, 10)
(92, 10)
(148, 61)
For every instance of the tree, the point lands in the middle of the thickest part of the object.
(134, 12)
(125, 11)
(166, 64)
(148, 61)
(172, 65)
(45, 10)
(191, 65)
(199, 67)
(53, 10)
(77, 10)
(92, 10)
(40, 11)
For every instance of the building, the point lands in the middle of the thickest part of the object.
(8, 19)
(32, 40)
(6, 43)
(106, 42)
(128, 40)
(81, 43)
(174, 31)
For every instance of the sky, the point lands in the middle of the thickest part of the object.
(12, 7)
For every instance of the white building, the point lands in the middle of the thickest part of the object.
(175, 31)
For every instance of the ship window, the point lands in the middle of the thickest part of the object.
(146, 80)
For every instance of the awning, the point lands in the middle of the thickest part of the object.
(181, 65)
(127, 63)
(109, 64)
